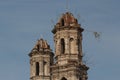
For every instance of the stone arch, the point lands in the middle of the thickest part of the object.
(62, 22)
(38, 47)
(37, 68)
(63, 78)
(80, 78)
(62, 46)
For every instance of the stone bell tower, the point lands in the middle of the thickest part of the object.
(68, 50)
(41, 58)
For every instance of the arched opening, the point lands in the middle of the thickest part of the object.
(63, 78)
(38, 47)
(62, 46)
(62, 22)
(37, 68)
(80, 78)
(76, 21)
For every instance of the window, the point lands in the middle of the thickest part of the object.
(80, 78)
(38, 47)
(62, 21)
(62, 46)
(63, 78)
(37, 68)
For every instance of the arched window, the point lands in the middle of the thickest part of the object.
(63, 78)
(38, 47)
(76, 21)
(62, 46)
(80, 78)
(62, 21)
(37, 68)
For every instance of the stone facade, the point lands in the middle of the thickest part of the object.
(66, 63)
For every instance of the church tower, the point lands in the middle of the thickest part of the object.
(68, 50)
(41, 58)
(67, 63)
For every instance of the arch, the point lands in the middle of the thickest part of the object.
(76, 21)
(63, 78)
(62, 46)
(38, 47)
(80, 78)
(62, 22)
(37, 68)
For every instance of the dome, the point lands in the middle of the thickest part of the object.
(67, 19)
(42, 44)
(67, 22)
(41, 47)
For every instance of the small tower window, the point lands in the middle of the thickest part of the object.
(76, 21)
(38, 47)
(80, 78)
(62, 46)
(37, 68)
(62, 21)
(63, 78)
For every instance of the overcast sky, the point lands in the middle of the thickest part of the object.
(22, 22)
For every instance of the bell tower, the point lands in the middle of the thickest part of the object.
(41, 58)
(68, 50)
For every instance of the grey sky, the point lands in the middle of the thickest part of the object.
(22, 22)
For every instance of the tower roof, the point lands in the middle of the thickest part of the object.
(67, 21)
(41, 44)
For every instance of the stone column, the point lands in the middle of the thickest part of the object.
(33, 69)
(41, 67)
(76, 46)
(58, 47)
(66, 45)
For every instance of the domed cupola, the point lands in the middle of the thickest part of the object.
(40, 46)
(67, 21)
